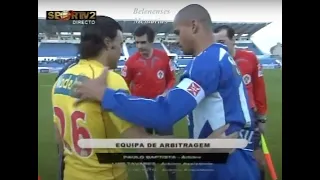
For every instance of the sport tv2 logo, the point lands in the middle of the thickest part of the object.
(75, 17)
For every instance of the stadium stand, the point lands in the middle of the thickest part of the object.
(58, 41)
(57, 49)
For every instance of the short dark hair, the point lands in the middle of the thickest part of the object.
(195, 12)
(144, 29)
(230, 30)
(93, 35)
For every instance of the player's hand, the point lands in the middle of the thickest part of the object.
(220, 134)
(261, 127)
(91, 89)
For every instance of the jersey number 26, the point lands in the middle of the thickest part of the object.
(77, 131)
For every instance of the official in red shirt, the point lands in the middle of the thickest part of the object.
(149, 73)
(251, 70)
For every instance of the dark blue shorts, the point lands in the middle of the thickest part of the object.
(167, 132)
(241, 164)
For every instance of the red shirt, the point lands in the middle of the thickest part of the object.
(149, 77)
(252, 73)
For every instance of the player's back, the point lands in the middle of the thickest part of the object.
(85, 121)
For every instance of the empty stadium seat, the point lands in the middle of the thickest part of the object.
(56, 64)
(131, 48)
(267, 61)
(158, 46)
(183, 62)
(57, 49)
(173, 48)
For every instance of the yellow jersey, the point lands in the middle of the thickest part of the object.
(87, 120)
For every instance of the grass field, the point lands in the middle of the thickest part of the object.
(47, 151)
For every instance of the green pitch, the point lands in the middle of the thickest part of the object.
(47, 150)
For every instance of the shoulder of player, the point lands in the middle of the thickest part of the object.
(204, 63)
(116, 81)
(210, 56)
(70, 68)
(246, 54)
(133, 58)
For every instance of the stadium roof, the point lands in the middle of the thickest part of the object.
(51, 27)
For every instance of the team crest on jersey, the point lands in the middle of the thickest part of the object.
(66, 82)
(124, 71)
(246, 79)
(194, 89)
(160, 74)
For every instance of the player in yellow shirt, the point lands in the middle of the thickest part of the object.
(75, 123)
(100, 46)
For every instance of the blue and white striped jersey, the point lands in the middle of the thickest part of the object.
(222, 97)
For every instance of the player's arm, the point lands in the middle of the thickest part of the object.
(170, 74)
(59, 140)
(129, 130)
(127, 70)
(164, 111)
(259, 90)
(126, 129)
(138, 132)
